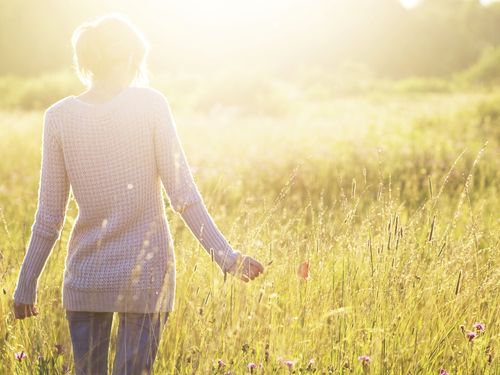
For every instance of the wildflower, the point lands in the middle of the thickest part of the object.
(364, 359)
(471, 335)
(20, 355)
(289, 364)
(480, 327)
(443, 372)
(221, 363)
(303, 271)
(252, 366)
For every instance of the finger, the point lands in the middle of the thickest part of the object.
(19, 312)
(27, 311)
(253, 272)
(257, 265)
(34, 310)
(257, 269)
(24, 311)
(260, 267)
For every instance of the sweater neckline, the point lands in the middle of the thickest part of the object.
(106, 104)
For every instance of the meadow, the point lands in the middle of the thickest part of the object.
(391, 195)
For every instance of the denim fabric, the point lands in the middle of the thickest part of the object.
(136, 347)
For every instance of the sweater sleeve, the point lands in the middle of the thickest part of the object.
(201, 224)
(182, 191)
(53, 194)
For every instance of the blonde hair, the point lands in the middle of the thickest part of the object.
(99, 45)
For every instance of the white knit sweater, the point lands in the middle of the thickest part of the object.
(115, 156)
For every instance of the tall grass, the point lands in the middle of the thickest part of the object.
(393, 200)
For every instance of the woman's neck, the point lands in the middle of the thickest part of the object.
(102, 91)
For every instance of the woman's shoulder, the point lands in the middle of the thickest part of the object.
(59, 106)
(141, 96)
(150, 94)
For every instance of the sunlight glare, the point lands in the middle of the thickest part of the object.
(222, 11)
(409, 3)
(488, 2)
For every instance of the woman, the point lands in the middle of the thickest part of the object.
(115, 145)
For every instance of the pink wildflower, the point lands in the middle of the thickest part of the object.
(303, 271)
(252, 366)
(443, 372)
(20, 355)
(471, 335)
(364, 359)
(480, 327)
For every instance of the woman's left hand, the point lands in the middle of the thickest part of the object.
(22, 310)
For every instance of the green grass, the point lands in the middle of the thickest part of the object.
(393, 199)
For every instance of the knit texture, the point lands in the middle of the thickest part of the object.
(116, 157)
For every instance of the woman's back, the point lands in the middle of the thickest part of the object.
(109, 152)
(115, 156)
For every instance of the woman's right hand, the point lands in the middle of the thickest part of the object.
(22, 311)
(246, 268)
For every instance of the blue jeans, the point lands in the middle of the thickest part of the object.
(136, 346)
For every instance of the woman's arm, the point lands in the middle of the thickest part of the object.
(182, 191)
(53, 194)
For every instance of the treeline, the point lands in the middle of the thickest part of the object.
(434, 39)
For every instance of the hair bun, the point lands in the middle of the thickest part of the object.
(100, 45)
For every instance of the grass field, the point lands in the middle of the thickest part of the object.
(393, 199)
